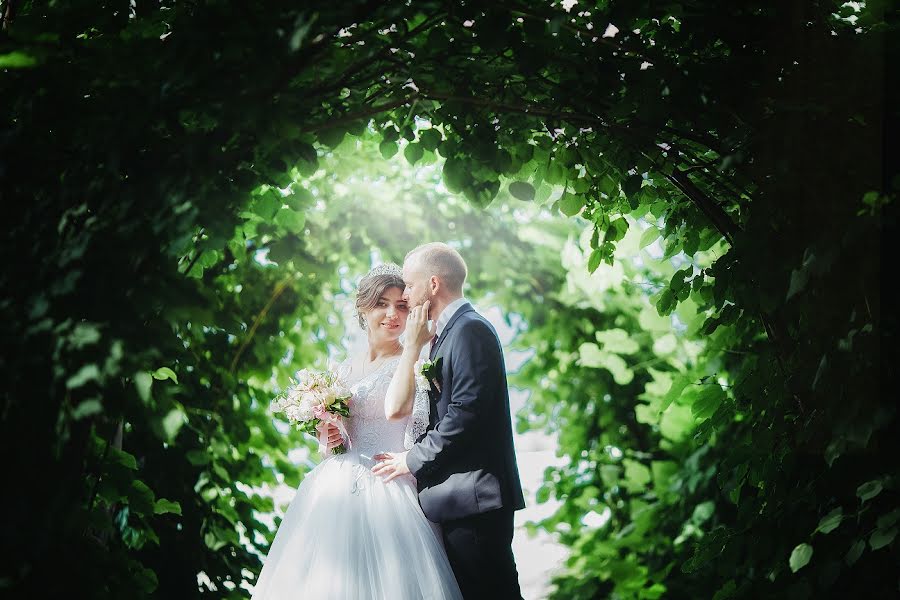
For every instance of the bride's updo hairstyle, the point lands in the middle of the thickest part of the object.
(373, 285)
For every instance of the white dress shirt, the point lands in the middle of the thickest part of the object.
(447, 314)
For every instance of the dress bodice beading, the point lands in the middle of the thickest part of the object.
(370, 431)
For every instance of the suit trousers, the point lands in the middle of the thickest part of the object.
(480, 551)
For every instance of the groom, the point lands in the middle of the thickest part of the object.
(465, 464)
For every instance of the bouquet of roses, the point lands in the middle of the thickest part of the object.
(315, 399)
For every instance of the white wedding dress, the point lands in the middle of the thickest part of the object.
(348, 535)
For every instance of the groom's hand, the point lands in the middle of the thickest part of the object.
(390, 465)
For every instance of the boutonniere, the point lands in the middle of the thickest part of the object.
(430, 372)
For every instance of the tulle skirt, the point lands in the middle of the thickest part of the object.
(348, 535)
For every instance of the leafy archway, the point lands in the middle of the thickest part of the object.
(136, 139)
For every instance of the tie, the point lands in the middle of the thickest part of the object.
(433, 342)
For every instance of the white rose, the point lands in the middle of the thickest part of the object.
(294, 413)
(307, 399)
(328, 396)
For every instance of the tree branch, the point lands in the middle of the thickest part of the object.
(349, 118)
(713, 211)
(10, 8)
(279, 289)
(380, 53)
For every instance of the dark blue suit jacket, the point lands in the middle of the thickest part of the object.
(465, 464)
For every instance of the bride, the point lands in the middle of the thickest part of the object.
(347, 533)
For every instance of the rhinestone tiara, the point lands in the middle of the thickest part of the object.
(385, 269)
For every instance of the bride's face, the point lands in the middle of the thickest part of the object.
(387, 319)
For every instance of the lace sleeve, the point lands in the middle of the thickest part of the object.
(418, 420)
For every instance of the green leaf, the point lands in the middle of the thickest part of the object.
(663, 471)
(165, 373)
(632, 185)
(869, 490)
(800, 557)
(141, 498)
(673, 246)
(300, 199)
(388, 149)
(666, 302)
(455, 174)
(646, 414)
(637, 475)
(308, 162)
(169, 425)
(710, 325)
(609, 475)
(702, 512)
(17, 60)
(390, 134)
(83, 335)
(674, 392)
(676, 422)
(85, 374)
(887, 520)
(501, 161)
(616, 230)
(677, 282)
(707, 401)
(726, 591)
(267, 205)
(594, 260)
(357, 127)
(213, 542)
(120, 457)
(831, 521)
(332, 137)
(650, 235)
(164, 506)
(608, 185)
(430, 139)
(618, 341)
(145, 579)
(710, 547)
(882, 537)
(522, 190)
(198, 457)
(413, 152)
(855, 552)
(292, 220)
(799, 278)
(570, 204)
(591, 356)
(87, 408)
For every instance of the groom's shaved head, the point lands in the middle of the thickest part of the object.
(440, 259)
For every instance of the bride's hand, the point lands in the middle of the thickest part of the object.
(334, 436)
(417, 325)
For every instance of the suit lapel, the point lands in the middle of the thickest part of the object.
(462, 309)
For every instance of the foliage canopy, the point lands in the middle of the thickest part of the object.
(186, 202)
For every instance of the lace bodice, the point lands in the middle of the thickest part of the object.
(370, 431)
